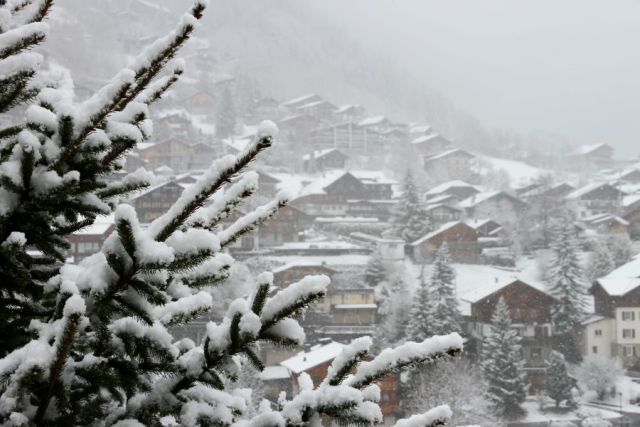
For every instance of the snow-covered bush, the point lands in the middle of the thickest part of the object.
(599, 374)
(89, 344)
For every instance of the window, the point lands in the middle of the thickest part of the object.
(628, 333)
(598, 332)
(594, 349)
(628, 315)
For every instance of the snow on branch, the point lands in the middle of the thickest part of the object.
(348, 359)
(438, 416)
(405, 355)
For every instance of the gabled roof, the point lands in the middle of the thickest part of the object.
(317, 355)
(318, 154)
(302, 263)
(583, 191)
(476, 199)
(590, 148)
(484, 290)
(304, 99)
(623, 279)
(429, 208)
(444, 227)
(345, 108)
(604, 218)
(429, 138)
(454, 151)
(373, 120)
(445, 186)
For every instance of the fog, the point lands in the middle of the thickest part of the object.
(569, 67)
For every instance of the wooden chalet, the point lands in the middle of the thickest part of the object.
(461, 239)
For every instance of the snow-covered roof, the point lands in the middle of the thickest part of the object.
(586, 189)
(519, 172)
(489, 287)
(623, 279)
(446, 186)
(301, 99)
(630, 200)
(444, 227)
(425, 138)
(317, 355)
(448, 153)
(355, 306)
(440, 199)
(238, 144)
(329, 260)
(320, 153)
(590, 148)
(603, 218)
(477, 223)
(420, 129)
(270, 373)
(344, 108)
(372, 177)
(346, 219)
(300, 263)
(474, 200)
(373, 120)
(431, 207)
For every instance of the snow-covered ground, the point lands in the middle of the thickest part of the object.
(536, 415)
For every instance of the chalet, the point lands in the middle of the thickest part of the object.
(530, 309)
(461, 239)
(298, 125)
(631, 206)
(286, 226)
(617, 299)
(329, 194)
(631, 176)
(177, 154)
(605, 224)
(267, 107)
(88, 240)
(440, 213)
(376, 123)
(555, 193)
(431, 144)
(294, 103)
(200, 103)
(321, 160)
(370, 208)
(484, 227)
(595, 198)
(349, 113)
(592, 157)
(315, 361)
(267, 184)
(418, 130)
(154, 201)
(321, 110)
(348, 137)
(460, 190)
(451, 164)
(287, 274)
(493, 204)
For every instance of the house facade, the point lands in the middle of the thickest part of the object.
(461, 239)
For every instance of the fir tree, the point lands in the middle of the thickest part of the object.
(503, 366)
(420, 324)
(443, 306)
(600, 261)
(558, 383)
(409, 220)
(567, 287)
(375, 272)
(225, 115)
(90, 344)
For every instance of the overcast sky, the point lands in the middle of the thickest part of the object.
(568, 66)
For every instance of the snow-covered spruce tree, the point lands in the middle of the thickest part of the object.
(443, 305)
(420, 322)
(565, 278)
(375, 272)
(600, 261)
(558, 383)
(409, 220)
(89, 344)
(225, 115)
(502, 365)
(392, 297)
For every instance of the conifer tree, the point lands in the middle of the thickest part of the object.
(90, 344)
(420, 323)
(225, 115)
(443, 305)
(375, 272)
(566, 285)
(600, 262)
(558, 383)
(409, 220)
(502, 365)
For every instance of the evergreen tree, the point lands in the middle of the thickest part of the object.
(558, 383)
(567, 286)
(600, 261)
(375, 272)
(443, 306)
(503, 366)
(90, 344)
(620, 248)
(409, 220)
(225, 115)
(420, 322)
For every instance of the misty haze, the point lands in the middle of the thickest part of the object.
(293, 213)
